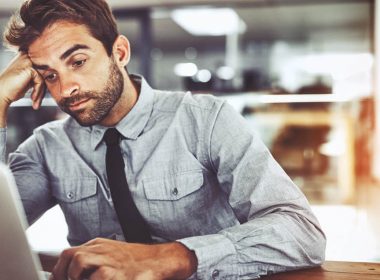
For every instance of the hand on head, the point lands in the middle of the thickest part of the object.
(17, 79)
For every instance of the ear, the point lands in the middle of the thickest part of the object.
(121, 51)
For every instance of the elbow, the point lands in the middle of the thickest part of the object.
(317, 249)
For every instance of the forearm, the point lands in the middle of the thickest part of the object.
(269, 244)
(278, 230)
(278, 241)
(3, 115)
(33, 184)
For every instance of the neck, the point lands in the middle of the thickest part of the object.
(124, 105)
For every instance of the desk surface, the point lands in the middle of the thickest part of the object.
(333, 271)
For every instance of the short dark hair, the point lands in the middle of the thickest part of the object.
(34, 16)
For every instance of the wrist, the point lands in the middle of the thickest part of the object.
(3, 113)
(182, 262)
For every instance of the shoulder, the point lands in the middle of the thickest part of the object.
(57, 128)
(174, 101)
(48, 136)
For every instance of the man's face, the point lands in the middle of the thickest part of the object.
(85, 82)
(103, 100)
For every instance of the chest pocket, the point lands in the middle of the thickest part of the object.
(174, 201)
(79, 203)
(173, 187)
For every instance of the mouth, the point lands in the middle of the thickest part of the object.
(78, 105)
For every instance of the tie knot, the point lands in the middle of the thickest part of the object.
(111, 137)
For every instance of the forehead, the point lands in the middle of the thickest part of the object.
(59, 37)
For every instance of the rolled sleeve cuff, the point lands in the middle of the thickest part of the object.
(216, 256)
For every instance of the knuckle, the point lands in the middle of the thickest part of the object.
(79, 258)
(66, 253)
(97, 240)
(105, 272)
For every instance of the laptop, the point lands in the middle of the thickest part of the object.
(17, 261)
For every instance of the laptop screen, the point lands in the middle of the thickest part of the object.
(17, 261)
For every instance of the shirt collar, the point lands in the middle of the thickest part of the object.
(135, 121)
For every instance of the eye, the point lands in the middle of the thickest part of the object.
(51, 77)
(79, 63)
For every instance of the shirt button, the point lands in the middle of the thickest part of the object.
(175, 191)
(215, 274)
(70, 195)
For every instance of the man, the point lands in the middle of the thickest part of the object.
(212, 200)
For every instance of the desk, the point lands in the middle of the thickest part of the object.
(332, 271)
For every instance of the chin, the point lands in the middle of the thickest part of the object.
(85, 123)
(86, 120)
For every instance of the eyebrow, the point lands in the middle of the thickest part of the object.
(74, 48)
(40, 67)
(65, 55)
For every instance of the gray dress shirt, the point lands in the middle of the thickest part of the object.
(197, 173)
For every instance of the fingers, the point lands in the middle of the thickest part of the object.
(88, 260)
(60, 269)
(105, 259)
(39, 90)
(80, 262)
(82, 265)
(15, 79)
(104, 273)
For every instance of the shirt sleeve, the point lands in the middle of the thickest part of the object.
(28, 169)
(3, 142)
(277, 230)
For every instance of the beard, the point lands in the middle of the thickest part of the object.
(104, 100)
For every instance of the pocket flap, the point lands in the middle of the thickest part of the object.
(173, 187)
(73, 190)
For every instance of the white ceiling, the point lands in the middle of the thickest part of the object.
(266, 20)
(269, 23)
(8, 5)
(14, 4)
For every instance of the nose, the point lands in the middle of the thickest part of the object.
(68, 87)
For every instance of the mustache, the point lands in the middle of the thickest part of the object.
(68, 101)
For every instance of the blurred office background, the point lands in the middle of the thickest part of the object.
(303, 74)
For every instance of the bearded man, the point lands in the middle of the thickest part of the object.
(153, 184)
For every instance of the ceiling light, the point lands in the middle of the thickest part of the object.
(225, 73)
(185, 69)
(209, 21)
(204, 76)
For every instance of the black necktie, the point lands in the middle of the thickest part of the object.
(132, 223)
